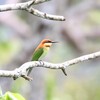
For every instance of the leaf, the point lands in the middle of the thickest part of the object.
(13, 96)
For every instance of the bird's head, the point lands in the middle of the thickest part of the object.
(47, 43)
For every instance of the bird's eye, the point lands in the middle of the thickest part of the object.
(49, 41)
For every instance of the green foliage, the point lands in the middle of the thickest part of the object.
(11, 96)
(9, 46)
(92, 19)
(17, 86)
(50, 87)
(73, 88)
(7, 50)
(95, 16)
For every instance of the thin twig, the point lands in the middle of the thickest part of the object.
(45, 15)
(27, 6)
(23, 70)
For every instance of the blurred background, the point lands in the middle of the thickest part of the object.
(21, 32)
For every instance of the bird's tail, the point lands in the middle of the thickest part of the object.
(30, 69)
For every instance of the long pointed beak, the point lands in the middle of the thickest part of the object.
(54, 42)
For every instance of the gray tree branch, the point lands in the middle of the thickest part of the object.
(27, 6)
(23, 70)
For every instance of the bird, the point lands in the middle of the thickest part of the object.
(42, 50)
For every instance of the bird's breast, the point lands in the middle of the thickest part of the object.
(45, 51)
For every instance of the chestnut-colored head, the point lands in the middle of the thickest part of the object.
(46, 43)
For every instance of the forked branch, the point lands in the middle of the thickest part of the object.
(23, 70)
(28, 6)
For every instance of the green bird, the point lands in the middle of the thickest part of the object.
(41, 51)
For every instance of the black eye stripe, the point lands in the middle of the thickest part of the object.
(48, 41)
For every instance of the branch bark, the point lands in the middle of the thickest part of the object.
(27, 6)
(23, 70)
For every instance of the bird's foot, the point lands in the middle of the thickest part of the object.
(41, 62)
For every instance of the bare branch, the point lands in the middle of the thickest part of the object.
(23, 70)
(40, 1)
(27, 6)
(19, 6)
(45, 15)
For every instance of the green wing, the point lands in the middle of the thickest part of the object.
(37, 54)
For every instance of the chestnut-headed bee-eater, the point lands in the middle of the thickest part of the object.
(41, 51)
